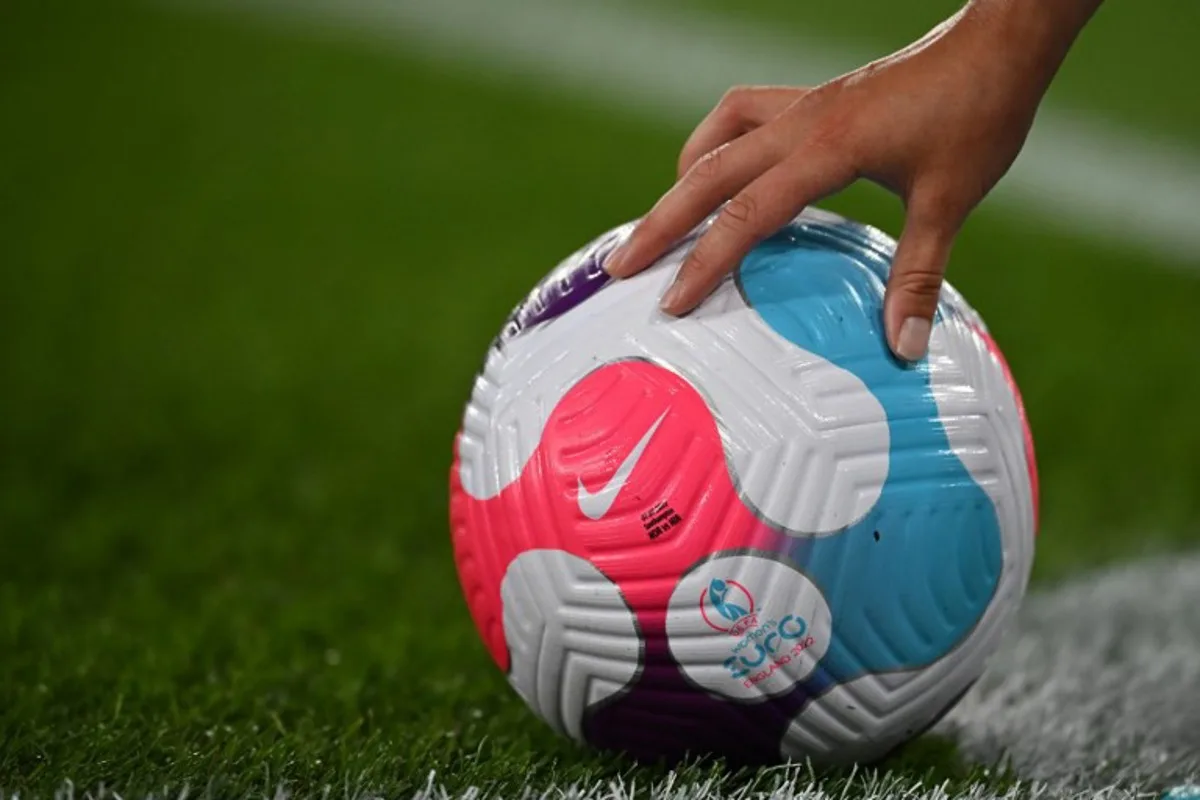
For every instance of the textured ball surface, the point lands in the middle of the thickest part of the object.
(749, 531)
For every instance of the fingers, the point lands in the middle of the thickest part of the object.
(740, 111)
(759, 210)
(711, 181)
(918, 270)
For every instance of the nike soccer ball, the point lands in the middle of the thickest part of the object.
(749, 531)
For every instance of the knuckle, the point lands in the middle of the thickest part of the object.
(832, 132)
(817, 99)
(942, 207)
(699, 263)
(921, 282)
(707, 167)
(740, 212)
(651, 231)
(826, 120)
(648, 232)
(941, 204)
(733, 101)
(683, 164)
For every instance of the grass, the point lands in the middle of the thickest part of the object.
(245, 281)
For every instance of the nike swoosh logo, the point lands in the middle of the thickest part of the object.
(595, 506)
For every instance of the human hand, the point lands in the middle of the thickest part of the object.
(938, 123)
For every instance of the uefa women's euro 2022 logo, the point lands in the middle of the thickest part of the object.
(727, 606)
(747, 625)
(763, 646)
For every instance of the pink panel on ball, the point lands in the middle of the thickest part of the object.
(631, 475)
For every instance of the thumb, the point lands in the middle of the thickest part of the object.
(915, 282)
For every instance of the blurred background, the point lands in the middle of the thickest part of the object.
(251, 255)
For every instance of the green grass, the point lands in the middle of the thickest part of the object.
(245, 281)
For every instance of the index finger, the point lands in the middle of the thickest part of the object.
(711, 181)
(762, 208)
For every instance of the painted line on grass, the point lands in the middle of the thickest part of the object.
(1099, 683)
(1076, 175)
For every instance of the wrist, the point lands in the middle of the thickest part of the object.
(1032, 35)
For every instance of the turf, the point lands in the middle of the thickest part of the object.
(245, 281)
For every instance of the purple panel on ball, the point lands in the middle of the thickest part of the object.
(662, 716)
(564, 288)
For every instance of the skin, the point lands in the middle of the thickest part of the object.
(937, 123)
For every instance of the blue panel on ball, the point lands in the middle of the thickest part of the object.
(909, 581)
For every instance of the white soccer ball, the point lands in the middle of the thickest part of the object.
(749, 531)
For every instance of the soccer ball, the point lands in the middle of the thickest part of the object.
(750, 531)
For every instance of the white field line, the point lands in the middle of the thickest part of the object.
(1076, 175)
(1098, 683)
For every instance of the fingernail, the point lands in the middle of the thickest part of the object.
(913, 339)
(671, 298)
(612, 264)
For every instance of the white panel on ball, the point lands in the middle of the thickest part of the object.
(573, 642)
(979, 412)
